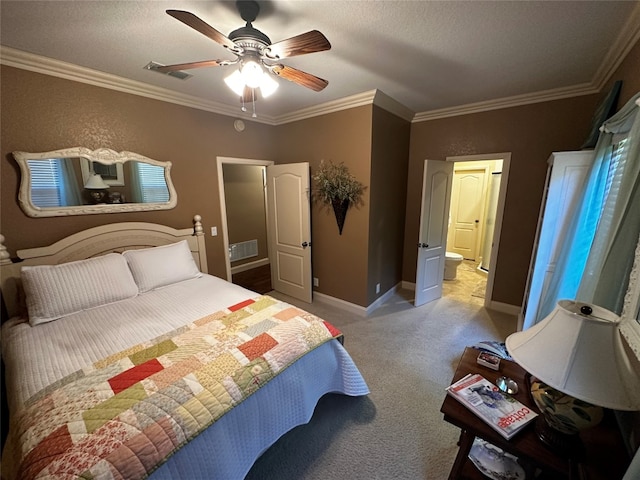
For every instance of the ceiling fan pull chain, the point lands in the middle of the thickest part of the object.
(253, 100)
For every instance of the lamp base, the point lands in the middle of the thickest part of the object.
(566, 444)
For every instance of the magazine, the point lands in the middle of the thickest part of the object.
(496, 348)
(499, 410)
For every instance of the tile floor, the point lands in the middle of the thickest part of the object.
(469, 285)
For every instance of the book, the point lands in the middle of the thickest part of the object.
(498, 349)
(488, 360)
(499, 410)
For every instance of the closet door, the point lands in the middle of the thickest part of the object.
(567, 174)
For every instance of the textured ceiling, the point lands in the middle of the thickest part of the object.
(427, 55)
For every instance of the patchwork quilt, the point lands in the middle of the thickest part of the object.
(123, 416)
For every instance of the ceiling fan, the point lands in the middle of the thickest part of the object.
(254, 53)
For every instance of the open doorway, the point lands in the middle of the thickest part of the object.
(244, 222)
(475, 220)
(281, 208)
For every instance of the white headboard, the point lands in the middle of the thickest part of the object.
(114, 237)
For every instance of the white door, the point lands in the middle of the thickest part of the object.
(467, 211)
(432, 242)
(289, 229)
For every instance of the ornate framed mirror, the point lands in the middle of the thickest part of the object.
(79, 181)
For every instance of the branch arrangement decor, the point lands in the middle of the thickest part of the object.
(337, 188)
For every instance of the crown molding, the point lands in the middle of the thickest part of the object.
(626, 40)
(358, 100)
(56, 68)
(48, 66)
(384, 101)
(629, 35)
(375, 97)
(508, 102)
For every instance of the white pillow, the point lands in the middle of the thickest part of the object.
(160, 266)
(55, 291)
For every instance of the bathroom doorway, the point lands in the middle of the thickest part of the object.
(475, 220)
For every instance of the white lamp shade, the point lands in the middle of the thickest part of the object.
(95, 182)
(582, 355)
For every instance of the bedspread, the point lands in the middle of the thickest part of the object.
(124, 415)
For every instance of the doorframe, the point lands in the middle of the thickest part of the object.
(220, 161)
(502, 195)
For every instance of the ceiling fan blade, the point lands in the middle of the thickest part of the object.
(301, 78)
(187, 66)
(201, 26)
(309, 42)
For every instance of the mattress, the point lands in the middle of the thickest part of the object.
(228, 448)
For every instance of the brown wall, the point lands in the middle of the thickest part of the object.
(42, 113)
(530, 133)
(339, 261)
(388, 192)
(245, 205)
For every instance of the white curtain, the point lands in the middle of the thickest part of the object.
(606, 274)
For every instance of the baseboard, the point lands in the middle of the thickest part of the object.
(248, 266)
(408, 285)
(343, 304)
(381, 299)
(352, 307)
(504, 307)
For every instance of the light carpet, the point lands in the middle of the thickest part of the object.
(407, 356)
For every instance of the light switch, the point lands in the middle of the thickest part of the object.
(214, 231)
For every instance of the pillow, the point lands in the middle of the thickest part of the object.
(160, 266)
(56, 291)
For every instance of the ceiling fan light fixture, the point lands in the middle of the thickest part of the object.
(268, 85)
(251, 72)
(235, 82)
(252, 47)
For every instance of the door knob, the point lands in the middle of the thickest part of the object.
(423, 245)
(306, 244)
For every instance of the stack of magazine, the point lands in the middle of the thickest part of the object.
(499, 410)
(495, 348)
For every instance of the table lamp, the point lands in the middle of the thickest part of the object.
(96, 187)
(580, 363)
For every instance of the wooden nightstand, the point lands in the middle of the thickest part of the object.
(605, 457)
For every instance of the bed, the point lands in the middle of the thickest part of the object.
(125, 359)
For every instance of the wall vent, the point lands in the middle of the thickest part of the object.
(242, 250)
(153, 66)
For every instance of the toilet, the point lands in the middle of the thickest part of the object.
(451, 262)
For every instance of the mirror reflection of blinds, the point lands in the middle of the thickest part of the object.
(153, 185)
(47, 184)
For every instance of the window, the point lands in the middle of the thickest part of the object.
(153, 186)
(616, 164)
(47, 184)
